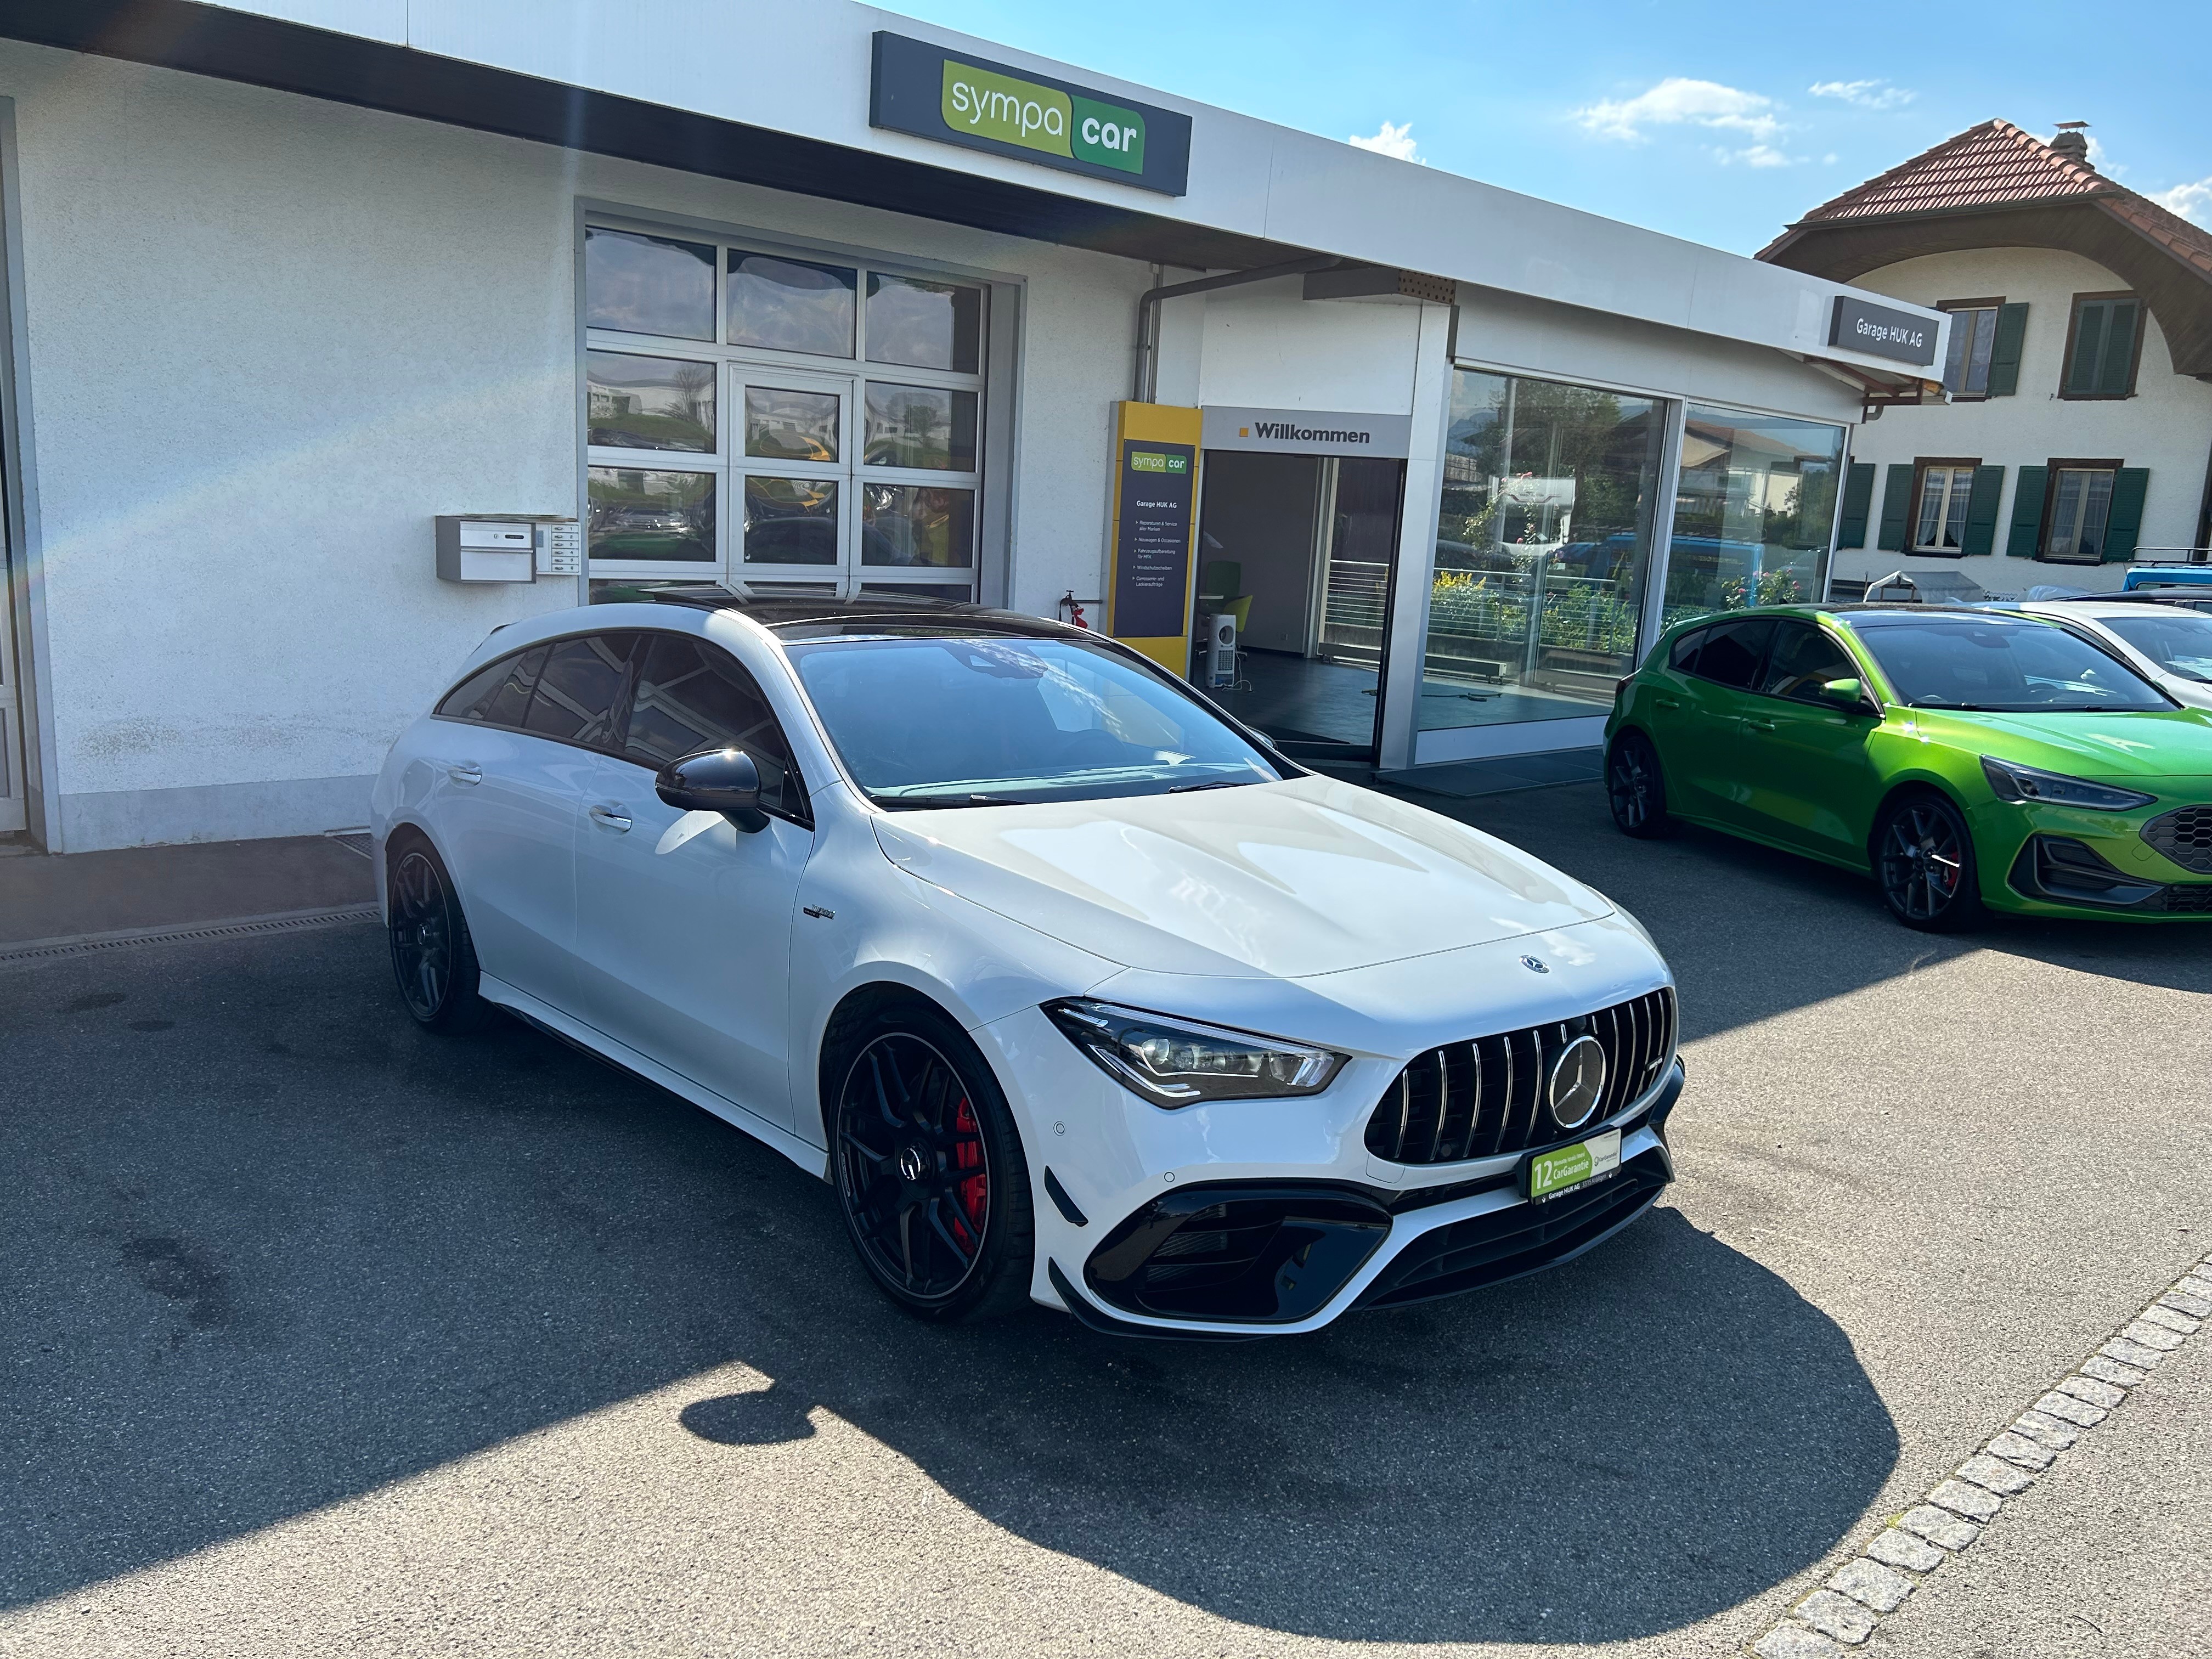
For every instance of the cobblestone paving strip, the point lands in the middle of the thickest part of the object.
(1846, 1611)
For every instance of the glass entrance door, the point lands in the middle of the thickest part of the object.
(1296, 555)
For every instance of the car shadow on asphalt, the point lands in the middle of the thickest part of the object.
(283, 1249)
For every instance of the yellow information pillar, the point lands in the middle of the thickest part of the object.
(1155, 525)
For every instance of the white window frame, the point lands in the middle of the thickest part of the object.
(988, 481)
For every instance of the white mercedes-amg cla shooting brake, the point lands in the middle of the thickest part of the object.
(1074, 988)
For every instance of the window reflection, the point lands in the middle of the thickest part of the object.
(789, 305)
(917, 525)
(648, 284)
(925, 324)
(791, 521)
(1754, 510)
(1543, 550)
(662, 517)
(920, 426)
(650, 402)
(791, 426)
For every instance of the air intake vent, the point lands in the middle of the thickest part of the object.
(1488, 1096)
(2184, 836)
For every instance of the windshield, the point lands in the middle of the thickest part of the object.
(2000, 665)
(2179, 642)
(924, 722)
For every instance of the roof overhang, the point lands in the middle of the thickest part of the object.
(2178, 295)
(677, 84)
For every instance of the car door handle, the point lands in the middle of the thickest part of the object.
(465, 772)
(610, 817)
(1756, 724)
(1667, 703)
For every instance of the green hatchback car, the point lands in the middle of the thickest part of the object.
(1966, 759)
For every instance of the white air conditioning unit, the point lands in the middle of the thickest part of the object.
(1221, 649)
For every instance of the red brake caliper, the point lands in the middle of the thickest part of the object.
(975, 1190)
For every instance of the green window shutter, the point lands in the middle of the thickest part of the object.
(1858, 496)
(2021, 541)
(2124, 524)
(1896, 497)
(1981, 511)
(2004, 352)
(2116, 375)
(2089, 319)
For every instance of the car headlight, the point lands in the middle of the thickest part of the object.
(1175, 1062)
(2026, 783)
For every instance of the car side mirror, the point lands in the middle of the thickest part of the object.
(1850, 693)
(724, 781)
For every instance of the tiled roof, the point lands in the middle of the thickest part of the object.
(1993, 165)
(1996, 164)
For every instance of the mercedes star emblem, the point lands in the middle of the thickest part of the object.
(912, 1161)
(1535, 964)
(1578, 1082)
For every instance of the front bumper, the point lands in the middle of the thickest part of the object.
(1240, 1260)
(2045, 859)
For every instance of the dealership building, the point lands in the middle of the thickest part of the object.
(339, 333)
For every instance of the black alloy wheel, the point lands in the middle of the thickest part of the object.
(929, 1168)
(1924, 858)
(433, 958)
(1634, 788)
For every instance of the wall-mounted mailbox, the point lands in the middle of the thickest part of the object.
(473, 548)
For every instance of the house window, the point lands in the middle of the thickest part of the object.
(2102, 346)
(1973, 338)
(1939, 526)
(738, 426)
(2081, 510)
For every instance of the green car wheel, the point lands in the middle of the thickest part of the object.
(1634, 788)
(1923, 857)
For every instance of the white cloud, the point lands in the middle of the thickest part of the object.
(2193, 201)
(1393, 140)
(1678, 101)
(1759, 155)
(1867, 94)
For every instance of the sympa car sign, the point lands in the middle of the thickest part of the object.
(955, 99)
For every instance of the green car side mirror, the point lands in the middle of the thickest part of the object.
(1851, 693)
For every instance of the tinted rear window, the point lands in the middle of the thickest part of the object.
(499, 693)
(580, 689)
(1732, 651)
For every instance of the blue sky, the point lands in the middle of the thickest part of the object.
(1718, 122)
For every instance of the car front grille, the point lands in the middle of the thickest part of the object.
(2184, 836)
(2187, 899)
(1485, 1097)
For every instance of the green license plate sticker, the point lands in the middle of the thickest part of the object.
(1564, 1168)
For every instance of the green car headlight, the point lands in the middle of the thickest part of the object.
(1173, 1062)
(2026, 783)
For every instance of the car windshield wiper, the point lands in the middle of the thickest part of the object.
(1211, 783)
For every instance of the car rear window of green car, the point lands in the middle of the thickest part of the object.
(1997, 665)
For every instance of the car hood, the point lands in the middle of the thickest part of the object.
(2171, 743)
(1308, 876)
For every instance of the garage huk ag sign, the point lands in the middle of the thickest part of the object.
(1880, 331)
(930, 93)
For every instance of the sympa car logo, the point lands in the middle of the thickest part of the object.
(1578, 1082)
(988, 105)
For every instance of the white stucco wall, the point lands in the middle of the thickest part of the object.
(2166, 427)
(269, 337)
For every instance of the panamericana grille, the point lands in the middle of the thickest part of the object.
(1485, 1097)
(2184, 836)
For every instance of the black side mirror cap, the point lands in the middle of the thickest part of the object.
(724, 781)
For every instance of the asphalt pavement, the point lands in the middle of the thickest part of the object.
(324, 1335)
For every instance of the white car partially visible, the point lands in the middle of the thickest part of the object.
(2168, 644)
(1073, 989)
